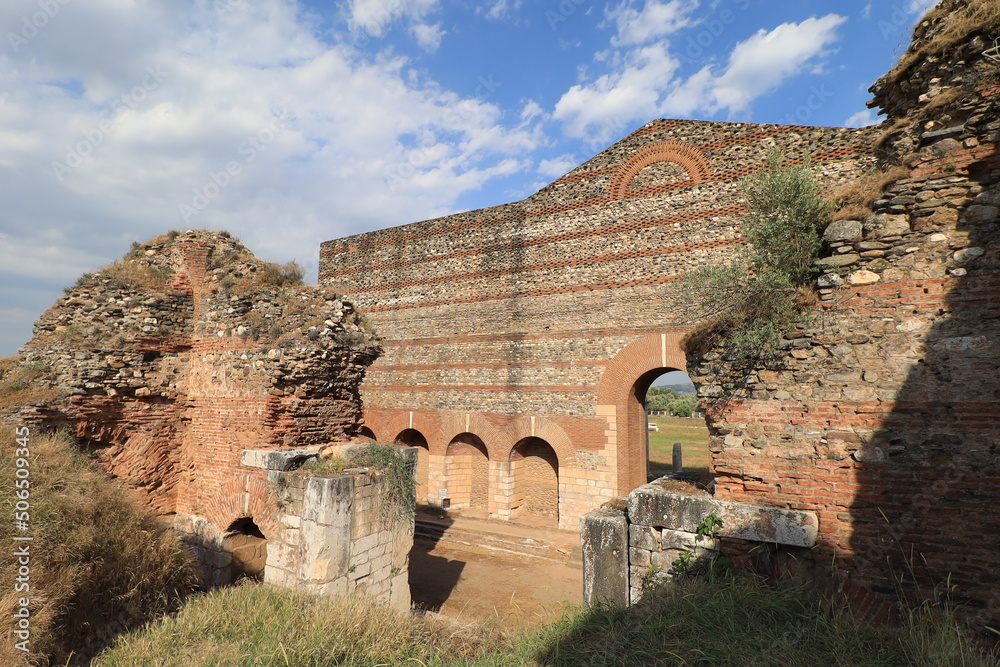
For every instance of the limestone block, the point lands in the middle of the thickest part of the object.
(399, 592)
(276, 459)
(328, 500)
(604, 541)
(643, 537)
(325, 551)
(653, 505)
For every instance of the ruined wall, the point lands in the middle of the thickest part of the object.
(190, 350)
(883, 416)
(634, 543)
(505, 322)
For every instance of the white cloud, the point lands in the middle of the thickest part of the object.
(862, 119)
(428, 36)
(653, 21)
(252, 123)
(557, 166)
(761, 63)
(503, 9)
(599, 109)
(376, 16)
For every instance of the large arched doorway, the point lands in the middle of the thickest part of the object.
(411, 437)
(468, 473)
(673, 415)
(535, 469)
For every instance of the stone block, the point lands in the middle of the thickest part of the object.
(604, 540)
(276, 459)
(653, 505)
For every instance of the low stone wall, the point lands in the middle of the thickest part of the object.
(629, 544)
(329, 533)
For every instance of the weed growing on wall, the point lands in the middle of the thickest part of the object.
(750, 302)
(400, 484)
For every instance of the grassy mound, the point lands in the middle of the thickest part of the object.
(728, 621)
(99, 563)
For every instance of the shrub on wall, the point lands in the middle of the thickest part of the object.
(753, 300)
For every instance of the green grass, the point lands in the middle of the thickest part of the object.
(724, 621)
(693, 436)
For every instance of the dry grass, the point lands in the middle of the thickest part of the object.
(133, 273)
(962, 18)
(19, 386)
(853, 200)
(100, 564)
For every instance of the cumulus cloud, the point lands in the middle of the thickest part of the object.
(862, 119)
(760, 64)
(502, 9)
(644, 81)
(122, 120)
(653, 21)
(375, 17)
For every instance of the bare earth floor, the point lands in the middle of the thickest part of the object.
(470, 575)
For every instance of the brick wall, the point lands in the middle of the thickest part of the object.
(508, 321)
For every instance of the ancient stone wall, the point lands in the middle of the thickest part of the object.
(175, 360)
(506, 322)
(883, 416)
(634, 543)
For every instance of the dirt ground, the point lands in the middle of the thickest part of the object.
(474, 585)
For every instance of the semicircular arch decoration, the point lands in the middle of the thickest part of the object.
(689, 158)
(545, 429)
(244, 497)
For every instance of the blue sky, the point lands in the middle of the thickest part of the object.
(290, 123)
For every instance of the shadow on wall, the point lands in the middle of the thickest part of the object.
(929, 480)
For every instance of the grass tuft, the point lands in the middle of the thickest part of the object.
(100, 563)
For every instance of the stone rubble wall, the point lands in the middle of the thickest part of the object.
(633, 543)
(174, 360)
(492, 316)
(883, 416)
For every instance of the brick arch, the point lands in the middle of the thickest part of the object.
(244, 497)
(638, 358)
(428, 425)
(538, 427)
(455, 424)
(692, 160)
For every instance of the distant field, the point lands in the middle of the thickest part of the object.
(693, 436)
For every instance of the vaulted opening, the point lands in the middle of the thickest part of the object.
(411, 437)
(246, 547)
(468, 473)
(535, 470)
(673, 415)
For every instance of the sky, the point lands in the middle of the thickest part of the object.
(289, 123)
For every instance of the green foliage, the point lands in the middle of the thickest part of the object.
(785, 219)
(751, 302)
(401, 487)
(710, 525)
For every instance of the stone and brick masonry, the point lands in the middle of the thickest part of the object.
(187, 353)
(537, 326)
